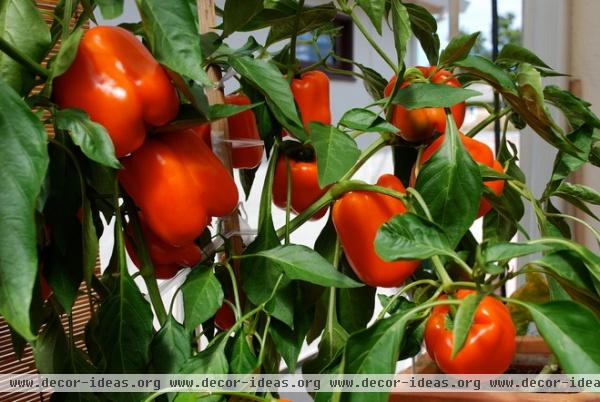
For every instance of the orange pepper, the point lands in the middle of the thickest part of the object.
(115, 79)
(311, 93)
(242, 126)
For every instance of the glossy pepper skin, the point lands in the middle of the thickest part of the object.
(311, 92)
(357, 217)
(224, 317)
(166, 259)
(490, 345)
(480, 153)
(178, 184)
(242, 126)
(419, 125)
(305, 186)
(115, 79)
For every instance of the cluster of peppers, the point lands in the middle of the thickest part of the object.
(358, 215)
(172, 177)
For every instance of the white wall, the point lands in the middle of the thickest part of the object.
(585, 66)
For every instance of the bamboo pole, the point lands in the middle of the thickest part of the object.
(220, 132)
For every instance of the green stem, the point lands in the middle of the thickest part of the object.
(292, 60)
(441, 271)
(261, 353)
(22, 58)
(331, 310)
(365, 156)
(236, 293)
(420, 201)
(487, 121)
(147, 268)
(581, 221)
(357, 21)
(484, 105)
(333, 193)
(403, 290)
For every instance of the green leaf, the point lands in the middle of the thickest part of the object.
(579, 191)
(172, 32)
(463, 321)
(210, 361)
(24, 163)
(355, 306)
(310, 19)
(91, 137)
(375, 350)
(458, 48)
(571, 331)
(424, 27)
(568, 266)
(576, 110)
(171, 347)
(330, 346)
(51, 348)
(268, 80)
(90, 241)
(22, 26)
(241, 359)
(66, 53)
(260, 276)
(451, 185)
(303, 263)
(63, 258)
(373, 82)
(223, 110)
(409, 236)
(125, 325)
(512, 53)
(289, 342)
(508, 251)
(366, 120)
(202, 296)
(420, 95)
(485, 69)
(335, 150)
(110, 9)
(238, 13)
(375, 10)
(401, 29)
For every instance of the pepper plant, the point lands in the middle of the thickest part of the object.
(250, 309)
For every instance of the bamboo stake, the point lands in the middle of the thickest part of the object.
(220, 132)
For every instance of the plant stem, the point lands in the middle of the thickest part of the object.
(23, 59)
(261, 354)
(403, 290)
(357, 21)
(333, 193)
(147, 268)
(581, 221)
(292, 60)
(236, 293)
(487, 121)
(441, 272)
(365, 156)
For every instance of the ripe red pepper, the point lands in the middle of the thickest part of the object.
(418, 125)
(224, 317)
(490, 345)
(311, 93)
(357, 217)
(305, 185)
(115, 79)
(166, 259)
(242, 126)
(480, 153)
(178, 183)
